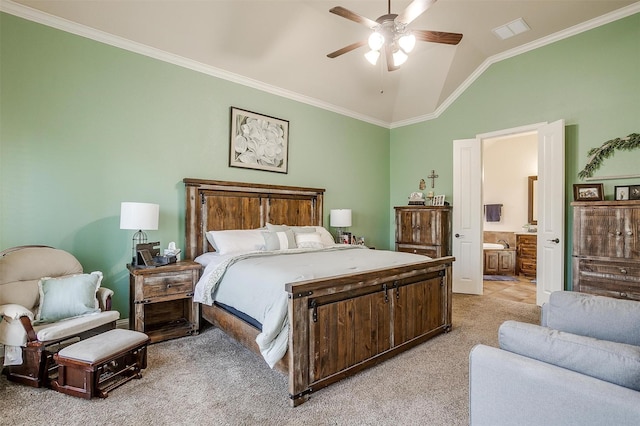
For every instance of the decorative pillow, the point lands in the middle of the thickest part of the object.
(68, 297)
(279, 240)
(309, 240)
(613, 362)
(325, 236)
(236, 241)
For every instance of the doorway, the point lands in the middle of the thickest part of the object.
(467, 211)
(508, 161)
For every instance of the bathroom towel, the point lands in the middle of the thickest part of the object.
(492, 212)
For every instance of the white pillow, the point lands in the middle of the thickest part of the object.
(309, 240)
(236, 241)
(325, 236)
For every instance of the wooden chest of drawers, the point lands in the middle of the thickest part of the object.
(606, 248)
(424, 230)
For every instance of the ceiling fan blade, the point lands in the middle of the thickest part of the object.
(346, 49)
(437, 36)
(389, 58)
(415, 9)
(346, 13)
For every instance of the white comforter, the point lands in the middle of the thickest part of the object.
(253, 283)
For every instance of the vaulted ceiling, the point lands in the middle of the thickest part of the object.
(280, 46)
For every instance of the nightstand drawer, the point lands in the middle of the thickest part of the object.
(167, 284)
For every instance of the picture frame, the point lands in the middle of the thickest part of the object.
(621, 193)
(258, 141)
(588, 192)
(634, 192)
(345, 238)
(438, 200)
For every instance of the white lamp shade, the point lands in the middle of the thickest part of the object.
(399, 58)
(372, 56)
(340, 218)
(141, 216)
(376, 40)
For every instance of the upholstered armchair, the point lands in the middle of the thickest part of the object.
(581, 366)
(47, 303)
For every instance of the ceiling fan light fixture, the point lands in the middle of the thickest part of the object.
(407, 42)
(399, 58)
(372, 56)
(376, 40)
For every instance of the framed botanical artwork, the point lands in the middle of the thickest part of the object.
(588, 192)
(622, 193)
(258, 141)
(634, 192)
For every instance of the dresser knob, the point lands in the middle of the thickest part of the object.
(624, 295)
(168, 285)
(629, 233)
(623, 271)
(618, 233)
(415, 251)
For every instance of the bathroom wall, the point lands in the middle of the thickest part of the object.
(507, 163)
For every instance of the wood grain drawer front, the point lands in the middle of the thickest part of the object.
(618, 271)
(431, 251)
(168, 284)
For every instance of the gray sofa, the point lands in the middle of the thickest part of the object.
(581, 366)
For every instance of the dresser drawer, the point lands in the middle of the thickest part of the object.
(431, 251)
(613, 279)
(160, 285)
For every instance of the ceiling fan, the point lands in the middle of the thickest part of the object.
(390, 33)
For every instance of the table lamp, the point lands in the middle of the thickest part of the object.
(140, 216)
(340, 218)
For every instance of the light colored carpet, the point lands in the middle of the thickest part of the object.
(210, 379)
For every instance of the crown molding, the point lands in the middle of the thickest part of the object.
(40, 17)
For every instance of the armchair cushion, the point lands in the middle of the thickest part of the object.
(73, 326)
(601, 317)
(68, 297)
(613, 362)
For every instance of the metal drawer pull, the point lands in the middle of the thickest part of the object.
(623, 271)
(623, 294)
(168, 285)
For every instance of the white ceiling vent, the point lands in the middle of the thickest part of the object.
(512, 28)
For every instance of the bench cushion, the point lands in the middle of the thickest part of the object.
(73, 326)
(103, 345)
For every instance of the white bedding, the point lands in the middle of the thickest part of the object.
(253, 282)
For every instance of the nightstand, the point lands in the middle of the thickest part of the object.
(161, 300)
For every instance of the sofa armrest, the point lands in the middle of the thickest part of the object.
(104, 298)
(507, 389)
(15, 327)
(600, 317)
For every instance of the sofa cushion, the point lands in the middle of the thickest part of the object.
(613, 362)
(68, 297)
(605, 318)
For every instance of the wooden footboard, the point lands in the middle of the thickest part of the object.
(342, 325)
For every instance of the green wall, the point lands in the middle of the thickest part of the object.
(591, 80)
(85, 126)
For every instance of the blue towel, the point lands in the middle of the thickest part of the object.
(492, 212)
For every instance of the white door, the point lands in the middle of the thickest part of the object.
(467, 216)
(550, 268)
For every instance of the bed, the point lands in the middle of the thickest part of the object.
(338, 325)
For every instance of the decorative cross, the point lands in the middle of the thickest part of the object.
(433, 177)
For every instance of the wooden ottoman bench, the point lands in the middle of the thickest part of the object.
(95, 366)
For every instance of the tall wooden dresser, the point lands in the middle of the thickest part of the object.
(424, 230)
(606, 248)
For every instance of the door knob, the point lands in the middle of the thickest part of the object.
(459, 236)
(555, 240)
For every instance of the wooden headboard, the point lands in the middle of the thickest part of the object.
(218, 205)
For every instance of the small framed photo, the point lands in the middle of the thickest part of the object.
(634, 192)
(622, 193)
(346, 238)
(588, 192)
(438, 200)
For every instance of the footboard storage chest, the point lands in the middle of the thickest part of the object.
(606, 248)
(95, 366)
